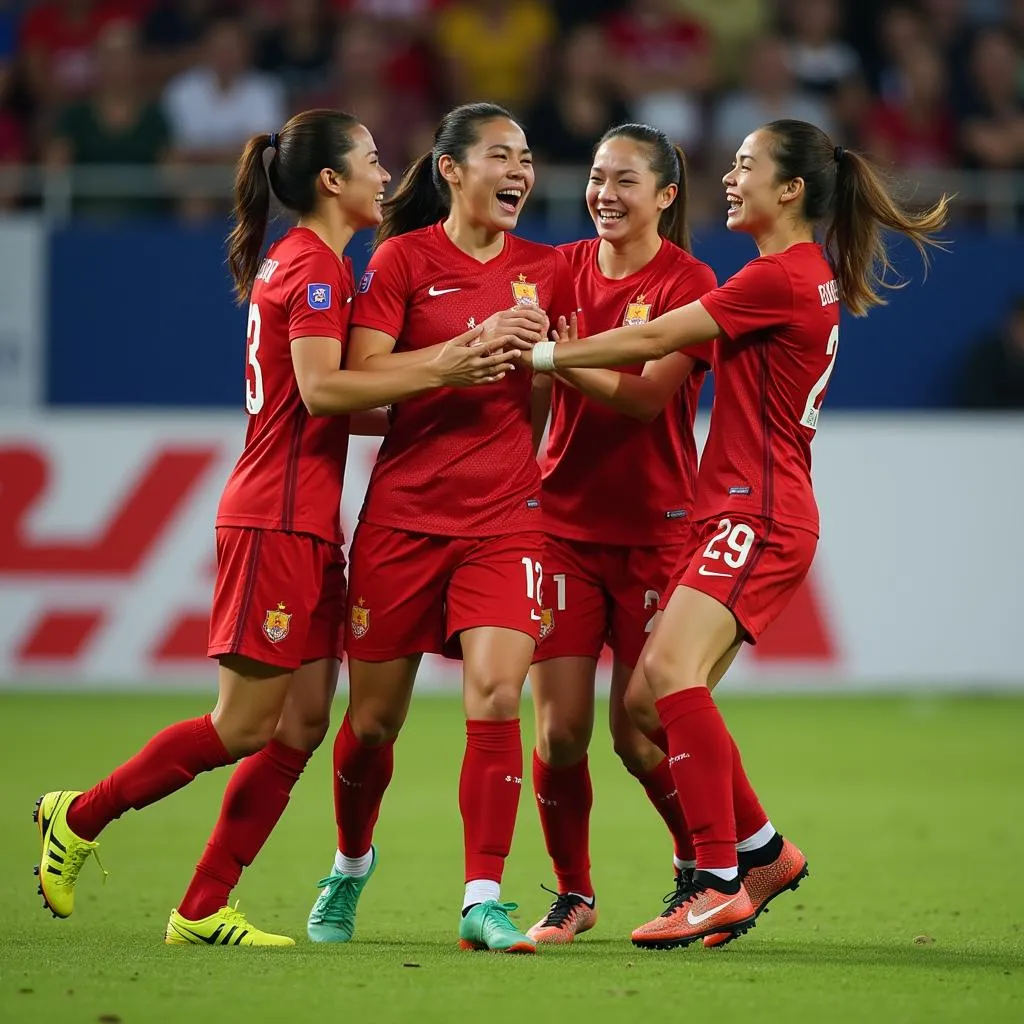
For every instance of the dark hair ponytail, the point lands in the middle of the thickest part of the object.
(668, 163)
(309, 142)
(846, 192)
(423, 196)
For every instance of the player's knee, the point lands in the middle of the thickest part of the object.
(375, 726)
(666, 672)
(561, 744)
(243, 737)
(303, 732)
(495, 696)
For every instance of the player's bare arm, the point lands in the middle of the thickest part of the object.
(679, 328)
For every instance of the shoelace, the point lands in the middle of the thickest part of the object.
(684, 891)
(330, 888)
(500, 911)
(562, 908)
(75, 857)
(234, 916)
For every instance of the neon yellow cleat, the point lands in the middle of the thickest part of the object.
(228, 927)
(63, 852)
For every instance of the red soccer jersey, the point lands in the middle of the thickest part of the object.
(457, 461)
(608, 478)
(780, 318)
(289, 475)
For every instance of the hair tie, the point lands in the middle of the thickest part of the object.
(838, 153)
(273, 140)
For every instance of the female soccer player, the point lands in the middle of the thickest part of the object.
(276, 626)
(447, 555)
(778, 324)
(616, 524)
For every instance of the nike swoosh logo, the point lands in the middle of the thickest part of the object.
(708, 572)
(435, 291)
(700, 918)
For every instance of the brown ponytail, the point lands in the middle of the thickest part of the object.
(854, 239)
(252, 209)
(846, 193)
(668, 164)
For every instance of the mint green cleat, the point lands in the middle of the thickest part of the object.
(487, 926)
(333, 917)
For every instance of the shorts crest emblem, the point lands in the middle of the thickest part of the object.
(277, 623)
(547, 623)
(359, 622)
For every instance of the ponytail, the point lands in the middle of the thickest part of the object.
(420, 199)
(674, 223)
(862, 207)
(252, 210)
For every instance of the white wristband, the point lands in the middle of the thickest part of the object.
(544, 357)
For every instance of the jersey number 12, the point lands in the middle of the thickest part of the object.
(812, 410)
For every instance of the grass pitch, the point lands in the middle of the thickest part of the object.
(910, 811)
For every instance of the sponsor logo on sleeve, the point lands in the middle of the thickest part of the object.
(365, 281)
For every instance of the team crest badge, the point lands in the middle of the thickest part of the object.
(277, 623)
(637, 313)
(525, 292)
(360, 621)
(547, 623)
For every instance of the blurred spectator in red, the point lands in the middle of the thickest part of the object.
(494, 50)
(298, 49)
(115, 126)
(664, 62)
(818, 57)
(993, 375)
(58, 39)
(771, 92)
(172, 34)
(900, 30)
(915, 130)
(992, 133)
(581, 103)
(401, 120)
(214, 107)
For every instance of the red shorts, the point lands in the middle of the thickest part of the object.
(751, 565)
(279, 597)
(413, 593)
(597, 594)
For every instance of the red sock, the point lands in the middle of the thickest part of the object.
(489, 786)
(564, 798)
(169, 761)
(662, 792)
(750, 815)
(700, 756)
(253, 804)
(362, 774)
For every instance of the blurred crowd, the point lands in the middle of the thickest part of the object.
(922, 85)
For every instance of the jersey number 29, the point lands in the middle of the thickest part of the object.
(253, 386)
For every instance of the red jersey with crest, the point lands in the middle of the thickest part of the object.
(609, 478)
(290, 473)
(780, 320)
(457, 461)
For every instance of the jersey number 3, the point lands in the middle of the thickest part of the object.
(254, 384)
(812, 410)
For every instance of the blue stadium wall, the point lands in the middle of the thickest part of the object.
(141, 315)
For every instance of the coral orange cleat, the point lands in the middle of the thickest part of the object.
(698, 909)
(766, 881)
(570, 915)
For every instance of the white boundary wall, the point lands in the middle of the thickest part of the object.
(106, 551)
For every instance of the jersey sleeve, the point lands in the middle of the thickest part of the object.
(758, 297)
(319, 297)
(383, 292)
(563, 291)
(695, 285)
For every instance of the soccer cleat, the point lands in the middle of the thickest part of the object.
(488, 926)
(333, 917)
(63, 852)
(695, 910)
(570, 915)
(765, 882)
(227, 927)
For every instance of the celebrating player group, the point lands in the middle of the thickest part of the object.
(458, 345)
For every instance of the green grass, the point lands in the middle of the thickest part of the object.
(909, 809)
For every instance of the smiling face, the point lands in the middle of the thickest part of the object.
(623, 197)
(756, 198)
(362, 192)
(490, 186)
